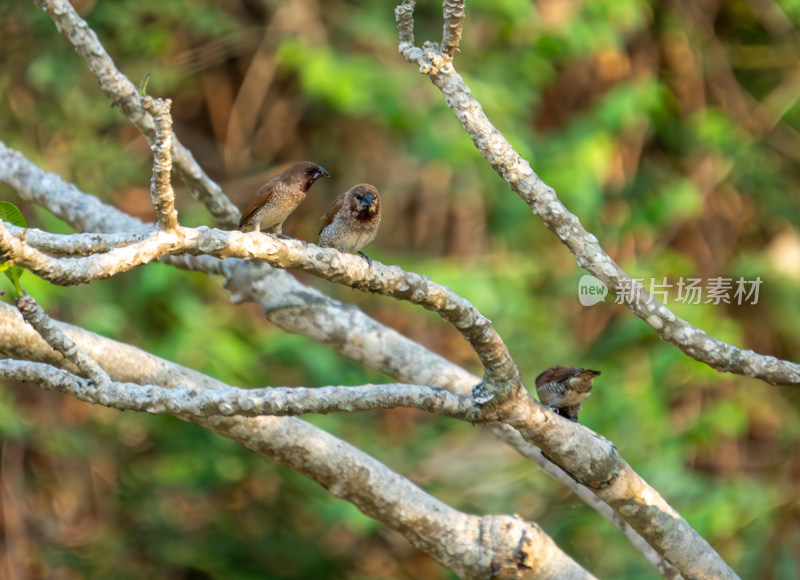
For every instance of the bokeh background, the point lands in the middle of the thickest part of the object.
(670, 128)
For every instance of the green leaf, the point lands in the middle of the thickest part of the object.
(143, 84)
(13, 273)
(9, 213)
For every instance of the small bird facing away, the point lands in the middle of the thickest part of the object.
(279, 196)
(352, 220)
(563, 389)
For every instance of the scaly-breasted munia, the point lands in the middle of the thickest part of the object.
(563, 389)
(352, 220)
(279, 196)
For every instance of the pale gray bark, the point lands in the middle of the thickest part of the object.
(472, 546)
(35, 316)
(161, 185)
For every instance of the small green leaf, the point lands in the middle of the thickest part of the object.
(13, 273)
(9, 213)
(143, 84)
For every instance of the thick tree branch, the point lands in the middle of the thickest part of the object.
(544, 202)
(129, 364)
(327, 263)
(123, 93)
(472, 546)
(230, 401)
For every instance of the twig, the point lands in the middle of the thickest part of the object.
(76, 245)
(161, 184)
(36, 317)
(453, 25)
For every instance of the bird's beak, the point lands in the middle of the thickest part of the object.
(366, 201)
(321, 173)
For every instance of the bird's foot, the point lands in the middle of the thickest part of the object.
(367, 258)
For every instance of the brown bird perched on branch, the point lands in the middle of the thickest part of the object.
(279, 197)
(563, 389)
(352, 220)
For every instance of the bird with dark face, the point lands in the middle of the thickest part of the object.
(279, 196)
(352, 220)
(563, 389)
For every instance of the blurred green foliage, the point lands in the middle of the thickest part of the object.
(670, 129)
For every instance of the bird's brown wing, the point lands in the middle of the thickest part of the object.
(555, 374)
(337, 204)
(260, 198)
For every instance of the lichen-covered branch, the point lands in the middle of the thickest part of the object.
(76, 244)
(123, 94)
(327, 263)
(544, 202)
(36, 317)
(129, 364)
(161, 185)
(453, 25)
(230, 401)
(472, 546)
(67, 271)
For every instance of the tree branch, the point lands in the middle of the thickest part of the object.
(161, 185)
(589, 255)
(75, 245)
(471, 546)
(36, 317)
(328, 263)
(123, 93)
(649, 514)
(129, 364)
(230, 401)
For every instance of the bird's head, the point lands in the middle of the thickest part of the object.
(305, 173)
(365, 200)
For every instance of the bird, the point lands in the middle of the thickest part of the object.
(563, 388)
(352, 220)
(279, 196)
